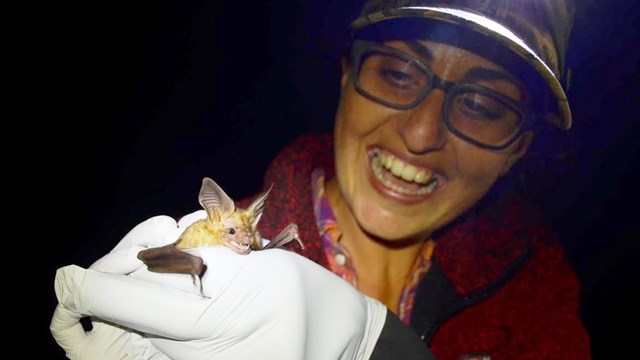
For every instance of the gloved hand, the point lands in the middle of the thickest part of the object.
(269, 304)
(106, 340)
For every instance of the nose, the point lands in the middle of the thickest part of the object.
(244, 238)
(423, 129)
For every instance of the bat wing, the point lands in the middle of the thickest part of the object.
(168, 259)
(287, 235)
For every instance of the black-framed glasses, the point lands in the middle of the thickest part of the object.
(393, 78)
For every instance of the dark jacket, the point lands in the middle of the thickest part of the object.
(499, 285)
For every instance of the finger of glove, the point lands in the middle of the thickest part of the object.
(99, 294)
(66, 285)
(107, 341)
(189, 219)
(68, 332)
(148, 306)
(122, 261)
(143, 348)
(156, 231)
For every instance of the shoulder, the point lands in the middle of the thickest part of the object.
(301, 156)
(479, 247)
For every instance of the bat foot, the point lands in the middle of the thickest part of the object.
(288, 234)
(197, 281)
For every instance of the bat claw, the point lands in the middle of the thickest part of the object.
(288, 234)
(197, 281)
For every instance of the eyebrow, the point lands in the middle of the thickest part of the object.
(420, 49)
(476, 73)
(480, 73)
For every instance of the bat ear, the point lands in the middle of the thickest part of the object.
(257, 207)
(213, 199)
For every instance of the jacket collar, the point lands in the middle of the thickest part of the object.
(471, 252)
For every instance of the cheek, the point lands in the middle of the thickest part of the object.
(477, 170)
(359, 116)
(347, 153)
(479, 166)
(357, 123)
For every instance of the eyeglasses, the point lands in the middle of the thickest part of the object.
(393, 78)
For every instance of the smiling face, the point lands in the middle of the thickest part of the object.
(402, 174)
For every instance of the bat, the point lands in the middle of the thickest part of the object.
(225, 224)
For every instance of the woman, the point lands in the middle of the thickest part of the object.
(412, 201)
(420, 212)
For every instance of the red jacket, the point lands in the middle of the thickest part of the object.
(500, 284)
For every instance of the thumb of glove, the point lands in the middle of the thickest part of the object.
(67, 285)
(189, 219)
(156, 231)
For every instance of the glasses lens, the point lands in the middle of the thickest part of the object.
(484, 117)
(391, 78)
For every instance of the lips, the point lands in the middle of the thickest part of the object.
(402, 177)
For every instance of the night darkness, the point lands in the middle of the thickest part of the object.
(149, 97)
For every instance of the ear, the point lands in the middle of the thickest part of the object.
(518, 150)
(257, 207)
(213, 199)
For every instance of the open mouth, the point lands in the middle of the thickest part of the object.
(402, 177)
(239, 247)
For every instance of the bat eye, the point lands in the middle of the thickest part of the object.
(232, 231)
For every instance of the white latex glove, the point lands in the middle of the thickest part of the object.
(271, 304)
(105, 340)
(268, 304)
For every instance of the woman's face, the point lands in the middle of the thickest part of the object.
(437, 174)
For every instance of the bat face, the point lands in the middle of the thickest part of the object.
(239, 234)
(236, 228)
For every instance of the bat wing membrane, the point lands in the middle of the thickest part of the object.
(168, 259)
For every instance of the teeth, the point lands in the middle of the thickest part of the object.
(241, 246)
(409, 173)
(396, 168)
(387, 160)
(421, 177)
(406, 172)
(401, 169)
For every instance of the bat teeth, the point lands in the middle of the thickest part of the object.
(241, 246)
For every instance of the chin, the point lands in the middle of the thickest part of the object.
(389, 228)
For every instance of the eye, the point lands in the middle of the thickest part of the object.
(232, 231)
(400, 73)
(480, 107)
(396, 77)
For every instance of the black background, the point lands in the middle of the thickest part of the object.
(133, 103)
